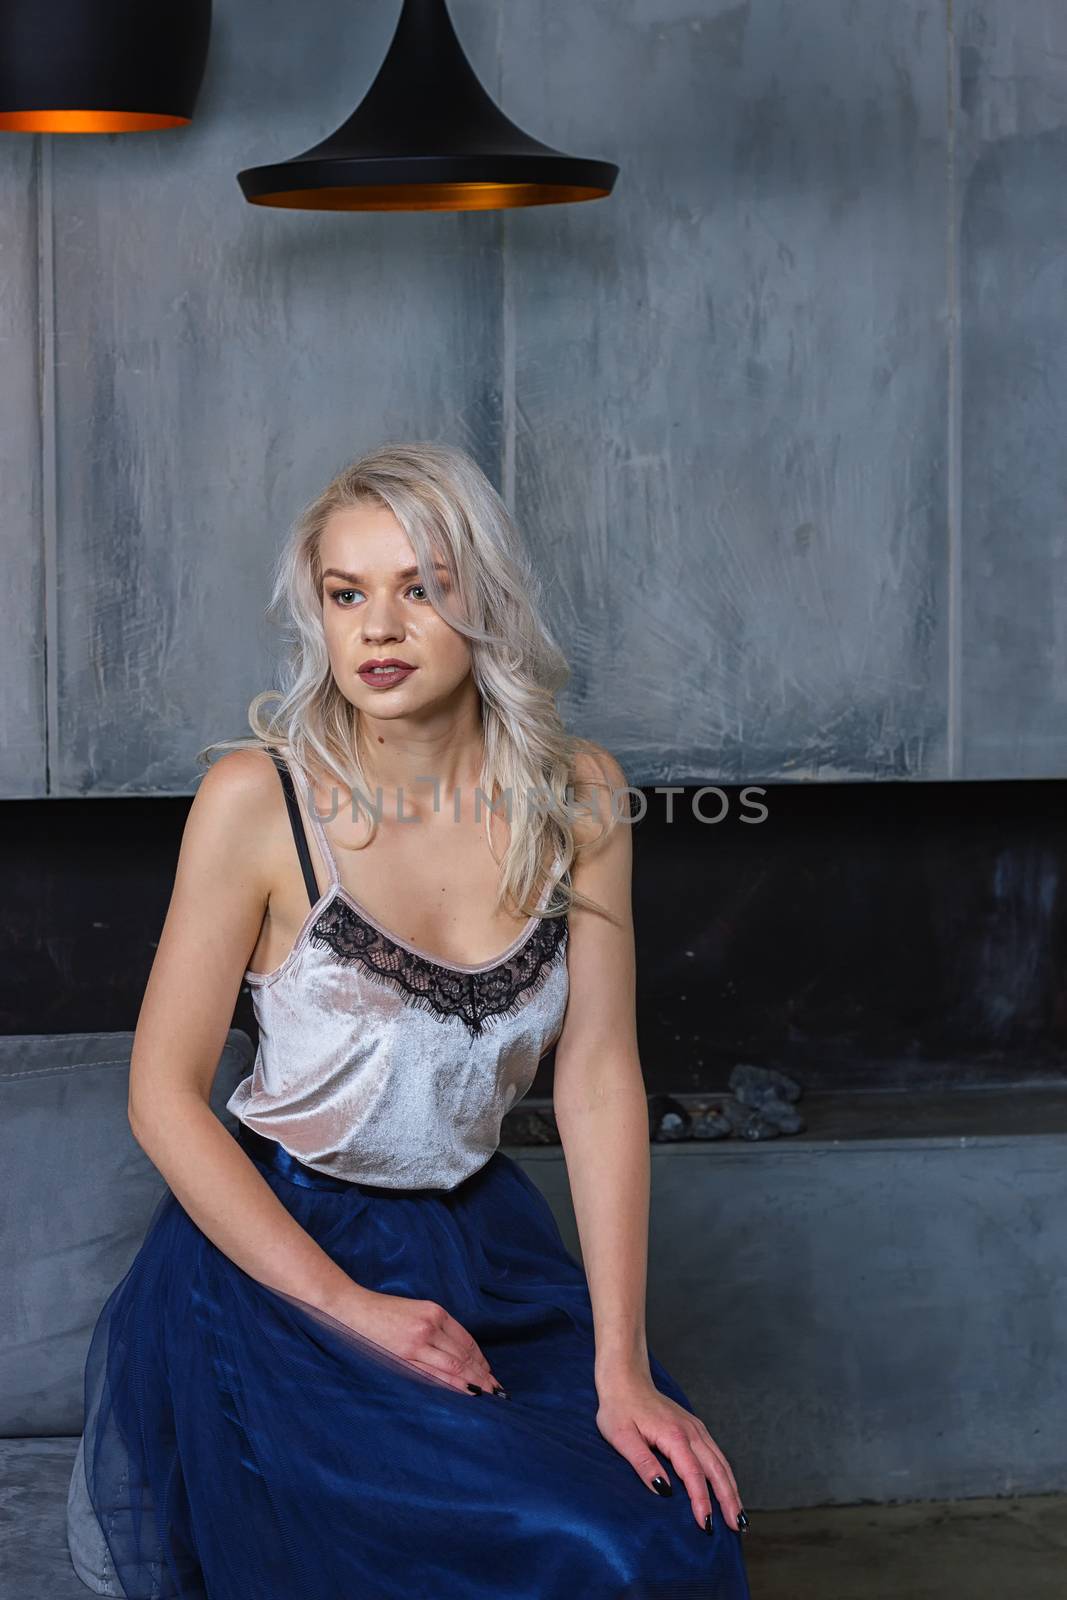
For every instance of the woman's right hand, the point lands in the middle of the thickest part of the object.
(426, 1335)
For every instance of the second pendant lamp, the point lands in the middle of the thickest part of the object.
(100, 66)
(426, 137)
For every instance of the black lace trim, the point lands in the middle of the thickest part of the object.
(476, 997)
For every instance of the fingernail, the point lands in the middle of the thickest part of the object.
(661, 1486)
(742, 1521)
(504, 1392)
(707, 1523)
(474, 1389)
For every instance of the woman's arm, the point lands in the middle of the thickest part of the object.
(220, 895)
(236, 849)
(598, 1087)
(602, 1114)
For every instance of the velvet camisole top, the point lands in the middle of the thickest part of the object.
(381, 1063)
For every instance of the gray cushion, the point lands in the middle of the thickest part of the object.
(34, 1479)
(76, 1193)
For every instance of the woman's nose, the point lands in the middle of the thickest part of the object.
(379, 619)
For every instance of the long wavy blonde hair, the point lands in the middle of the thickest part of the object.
(449, 510)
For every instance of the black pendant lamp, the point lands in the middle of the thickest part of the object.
(426, 137)
(100, 66)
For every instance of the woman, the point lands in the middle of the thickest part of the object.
(352, 1356)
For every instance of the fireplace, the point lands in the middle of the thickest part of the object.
(864, 939)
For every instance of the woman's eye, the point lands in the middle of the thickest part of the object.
(337, 594)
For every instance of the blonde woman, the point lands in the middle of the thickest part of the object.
(353, 1357)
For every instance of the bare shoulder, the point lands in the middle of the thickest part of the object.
(221, 892)
(600, 786)
(594, 764)
(598, 1037)
(235, 780)
(235, 808)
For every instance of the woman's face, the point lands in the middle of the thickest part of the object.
(374, 608)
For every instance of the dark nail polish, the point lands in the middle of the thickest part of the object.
(661, 1486)
(742, 1521)
(474, 1389)
(504, 1392)
(707, 1523)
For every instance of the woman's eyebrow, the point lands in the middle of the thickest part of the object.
(353, 577)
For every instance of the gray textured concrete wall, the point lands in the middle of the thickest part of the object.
(790, 402)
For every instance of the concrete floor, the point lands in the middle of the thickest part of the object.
(997, 1549)
(1001, 1549)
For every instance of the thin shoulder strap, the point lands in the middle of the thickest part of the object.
(320, 837)
(297, 825)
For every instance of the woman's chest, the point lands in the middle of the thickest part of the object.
(435, 890)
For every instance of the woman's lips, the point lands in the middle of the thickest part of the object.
(386, 680)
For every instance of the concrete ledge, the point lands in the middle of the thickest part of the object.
(872, 1316)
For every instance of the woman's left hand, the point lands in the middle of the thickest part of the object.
(637, 1418)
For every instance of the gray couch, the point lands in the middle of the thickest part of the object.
(76, 1196)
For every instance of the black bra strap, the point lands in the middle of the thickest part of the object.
(297, 822)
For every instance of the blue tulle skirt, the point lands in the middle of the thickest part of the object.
(241, 1445)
